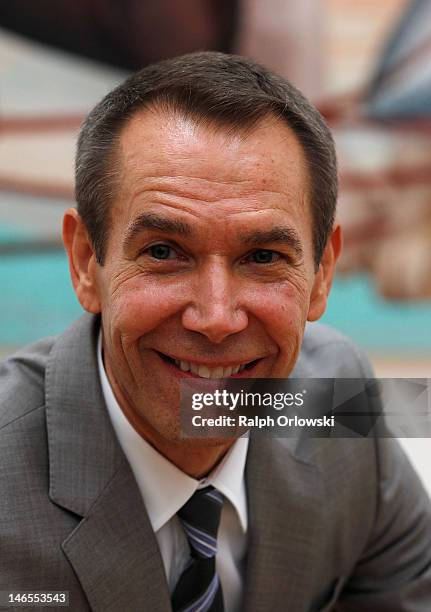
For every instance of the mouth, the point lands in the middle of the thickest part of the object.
(195, 369)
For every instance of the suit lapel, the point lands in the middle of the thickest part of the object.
(283, 501)
(115, 554)
(113, 550)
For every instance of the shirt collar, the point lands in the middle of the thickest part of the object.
(163, 486)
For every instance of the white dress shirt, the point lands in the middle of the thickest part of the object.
(165, 489)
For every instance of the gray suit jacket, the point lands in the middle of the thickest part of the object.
(330, 520)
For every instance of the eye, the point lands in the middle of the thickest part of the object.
(264, 256)
(161, 251)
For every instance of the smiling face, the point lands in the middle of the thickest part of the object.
(209, 269)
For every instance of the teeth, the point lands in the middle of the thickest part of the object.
(194, 368)
(206, 372)
(185, 367)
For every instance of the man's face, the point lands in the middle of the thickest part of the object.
(209, 267)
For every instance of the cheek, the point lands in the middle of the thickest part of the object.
(282, 308)
(139, 306)
(283, 312)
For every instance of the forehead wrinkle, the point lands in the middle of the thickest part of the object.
(199, 188)
(179, 199)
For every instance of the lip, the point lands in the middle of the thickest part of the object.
(211, 364)
(247, 373)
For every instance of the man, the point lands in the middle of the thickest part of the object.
(203, 241)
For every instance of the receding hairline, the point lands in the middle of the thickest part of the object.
(171, 111)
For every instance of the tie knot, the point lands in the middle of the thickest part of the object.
(200, 517)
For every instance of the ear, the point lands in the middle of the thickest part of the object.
(324, 275)
(82, 261)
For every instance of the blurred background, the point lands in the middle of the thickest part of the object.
(367, 66)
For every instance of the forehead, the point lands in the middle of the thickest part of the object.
(201, 169)
(269, 152)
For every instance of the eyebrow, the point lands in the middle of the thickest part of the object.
(280, 235)
(152, 221)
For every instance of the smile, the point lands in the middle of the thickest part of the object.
(204, 370)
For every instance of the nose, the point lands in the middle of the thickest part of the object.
(215, 310)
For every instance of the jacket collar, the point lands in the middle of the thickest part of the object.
(83, 451)
(284, 496)
(113, 550)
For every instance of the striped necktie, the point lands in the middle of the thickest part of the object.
(198, 588)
